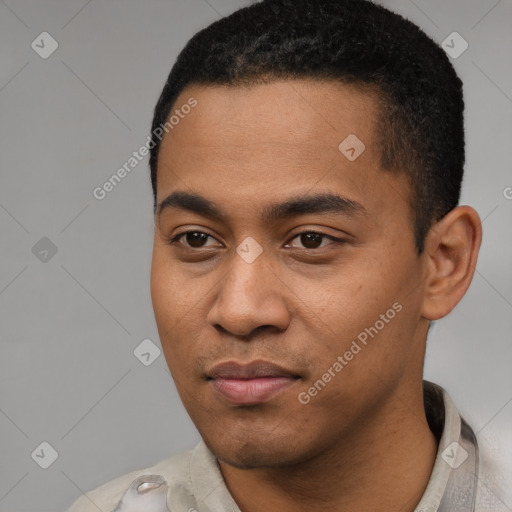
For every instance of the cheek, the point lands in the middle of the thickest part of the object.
(163, 292)
(367, 300)
(345, 299)
(174, 297)
(172, 305)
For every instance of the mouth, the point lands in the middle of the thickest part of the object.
(251, 383)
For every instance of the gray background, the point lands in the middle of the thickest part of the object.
(68, 375)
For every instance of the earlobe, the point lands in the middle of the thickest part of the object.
(451, 251)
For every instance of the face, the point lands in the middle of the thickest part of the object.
(285, 282)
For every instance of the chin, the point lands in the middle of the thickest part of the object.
(253, 457)
(256, 453)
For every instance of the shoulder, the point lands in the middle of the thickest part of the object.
(175, 469)
(493, 487)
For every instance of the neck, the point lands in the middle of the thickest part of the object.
(384, 464)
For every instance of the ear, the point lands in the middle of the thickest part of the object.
(451, 251)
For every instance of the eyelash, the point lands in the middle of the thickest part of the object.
(176, 238)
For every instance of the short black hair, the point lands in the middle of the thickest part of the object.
(420, 126)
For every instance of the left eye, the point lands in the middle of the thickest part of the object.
(312, 240)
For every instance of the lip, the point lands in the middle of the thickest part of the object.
(251, 383)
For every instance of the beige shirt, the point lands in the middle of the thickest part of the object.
(460, 481)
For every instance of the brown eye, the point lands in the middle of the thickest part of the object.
(195, 239)
(312, 240)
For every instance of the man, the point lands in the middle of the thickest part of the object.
(306, 166)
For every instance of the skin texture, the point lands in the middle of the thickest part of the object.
(363, 441)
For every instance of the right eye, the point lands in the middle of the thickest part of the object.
(193, 239)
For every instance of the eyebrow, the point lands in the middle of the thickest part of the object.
(292, 207)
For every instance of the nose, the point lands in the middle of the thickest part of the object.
(251, 297)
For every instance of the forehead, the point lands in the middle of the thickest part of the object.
(312, 114)
(267, 139)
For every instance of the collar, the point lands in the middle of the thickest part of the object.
(452, 484)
